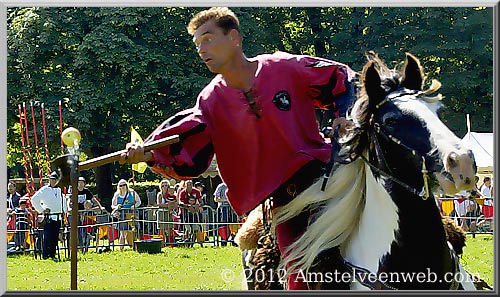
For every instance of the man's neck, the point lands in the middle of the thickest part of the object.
(241, 74)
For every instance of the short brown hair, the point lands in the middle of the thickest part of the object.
(223, 16)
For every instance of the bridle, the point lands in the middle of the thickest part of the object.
(379, 129)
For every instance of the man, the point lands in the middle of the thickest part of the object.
(223, 207)
(49, 201)
(84, 195)
(258, 116)
(189, 203)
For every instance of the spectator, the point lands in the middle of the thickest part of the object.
(88, 220)
(124, 203)
(189, 203)
(204, 212)
(49, 202)
(84, 195)
(13, 196)
(168, 205)
(463, 206)
(224, 212)
(23, 222)
(486, 191)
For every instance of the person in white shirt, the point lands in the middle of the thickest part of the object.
(50, 202)
(486, 191)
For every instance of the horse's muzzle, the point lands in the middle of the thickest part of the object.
(459, 171)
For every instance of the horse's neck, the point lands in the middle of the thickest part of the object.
(377, 225)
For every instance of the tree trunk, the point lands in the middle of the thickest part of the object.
(103, 178)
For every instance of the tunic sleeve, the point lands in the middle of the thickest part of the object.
(189, 157)
(327, 80)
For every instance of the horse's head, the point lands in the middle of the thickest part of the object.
(404, 128)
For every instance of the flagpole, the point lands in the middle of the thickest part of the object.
(468, 126)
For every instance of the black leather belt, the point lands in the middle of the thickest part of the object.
(301, 180)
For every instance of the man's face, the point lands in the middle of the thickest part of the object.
(189, 186)
(52, 182)
(11, 188)
(214, 48)
(81, 185)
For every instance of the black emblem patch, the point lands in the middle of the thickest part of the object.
(282, 100)
(321, 64)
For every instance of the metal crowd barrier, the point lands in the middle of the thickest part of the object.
(483, 217)
(98, 230)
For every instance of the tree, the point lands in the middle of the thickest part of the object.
(114, 68)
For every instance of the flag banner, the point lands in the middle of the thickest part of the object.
(136, 138)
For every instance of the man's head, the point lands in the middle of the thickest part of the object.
(53, 177)
(23, 203)
(189, 185)
(487, 181)
(217, 37)
(199, 186)
(11, 187)
(223, 17)
(81, 183)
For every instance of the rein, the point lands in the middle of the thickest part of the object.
(373, 281)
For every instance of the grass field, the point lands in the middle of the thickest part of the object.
(196, 268)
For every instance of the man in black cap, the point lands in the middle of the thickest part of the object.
(50, 202)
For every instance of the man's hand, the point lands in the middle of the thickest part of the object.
(344, 125)
(135, 154)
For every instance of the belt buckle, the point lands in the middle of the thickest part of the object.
(291, 190)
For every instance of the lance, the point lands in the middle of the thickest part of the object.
(37, 150)
(28, 147)
(45, 140)
(21, 119)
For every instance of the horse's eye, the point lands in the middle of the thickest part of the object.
(390, 122)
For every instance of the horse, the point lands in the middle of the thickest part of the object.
(378, 205)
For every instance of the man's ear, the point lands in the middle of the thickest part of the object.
(234, 35)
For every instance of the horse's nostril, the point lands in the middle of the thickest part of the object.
(452, 160)
(461, 176)
(467, 180)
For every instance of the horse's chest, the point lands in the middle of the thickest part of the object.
(376, 231)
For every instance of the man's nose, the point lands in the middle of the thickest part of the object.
(200, 49)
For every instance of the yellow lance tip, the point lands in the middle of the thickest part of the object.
(70, 135)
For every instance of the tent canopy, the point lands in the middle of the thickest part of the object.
(481, 145)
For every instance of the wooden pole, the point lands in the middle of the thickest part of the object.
(75, 173)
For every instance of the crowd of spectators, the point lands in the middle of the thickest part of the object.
(180, 214)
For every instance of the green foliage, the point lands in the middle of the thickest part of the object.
(117, 67)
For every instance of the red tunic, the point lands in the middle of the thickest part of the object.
(184, 196)
(255, 153)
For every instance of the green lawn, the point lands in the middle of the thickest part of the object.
(478, 257)
(174, 269)
(196, 268)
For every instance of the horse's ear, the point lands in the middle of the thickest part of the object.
(372, 84)
(413, 74)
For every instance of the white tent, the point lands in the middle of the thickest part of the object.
(481, 145)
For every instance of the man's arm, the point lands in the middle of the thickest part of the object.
(188, 158)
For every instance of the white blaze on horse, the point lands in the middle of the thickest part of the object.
(378, 204)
